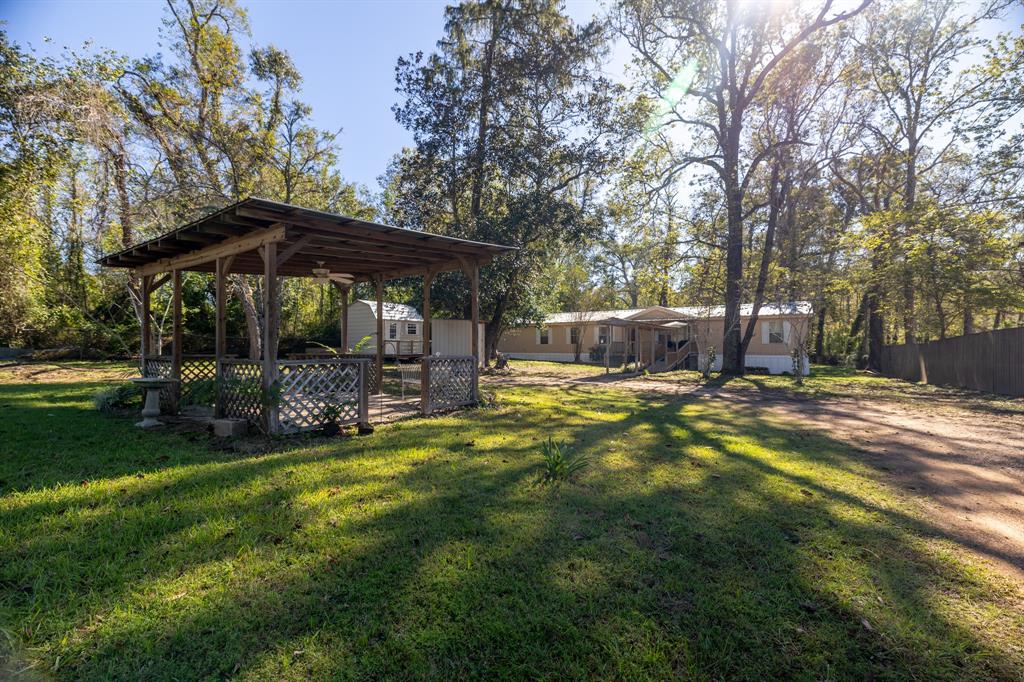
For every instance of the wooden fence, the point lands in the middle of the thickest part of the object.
(992, 362)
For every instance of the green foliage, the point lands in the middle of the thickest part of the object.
(118, 397)
(490, 163)
(202, 392)
(560, 463)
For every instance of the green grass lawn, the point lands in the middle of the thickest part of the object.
(701, 542)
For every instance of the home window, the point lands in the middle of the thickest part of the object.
(602, 335)
(776, 334)
(544, 337)
(393, 330)
(410, 329)
(574, 335)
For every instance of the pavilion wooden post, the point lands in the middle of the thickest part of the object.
(220, 330)
(474, 314)
(146, 322)
(270, 330)
(345, 296)
(379, 361)
(428, 280)
(177, 337)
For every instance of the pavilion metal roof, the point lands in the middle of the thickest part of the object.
(309, 237)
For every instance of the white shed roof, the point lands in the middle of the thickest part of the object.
(394, 311)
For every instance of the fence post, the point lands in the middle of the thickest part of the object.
(364, 396)
(425, 385)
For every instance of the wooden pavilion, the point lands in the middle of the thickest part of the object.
(261, 237)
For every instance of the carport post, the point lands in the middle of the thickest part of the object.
(176, 350)
(270, 330)
(428, 279)
(379, 361)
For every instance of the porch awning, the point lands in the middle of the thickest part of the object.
(644, 324)
(306, 239)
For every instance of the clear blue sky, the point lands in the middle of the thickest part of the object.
(346, 52)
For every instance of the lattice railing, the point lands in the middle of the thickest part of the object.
(371, 368)
(198, 372)
(452, 382)
(241, 390)
(161, 366)
(311, 393)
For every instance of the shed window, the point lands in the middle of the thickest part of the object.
(393, 330)
(410, 329)
(776, 334)
(544, 337)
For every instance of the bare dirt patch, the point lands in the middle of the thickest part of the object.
(63, 372)
(966, 470)
(962, 462)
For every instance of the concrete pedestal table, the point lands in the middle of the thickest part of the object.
(151, 386)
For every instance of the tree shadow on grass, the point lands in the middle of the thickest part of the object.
(700, 543)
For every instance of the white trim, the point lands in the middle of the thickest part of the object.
(550, 357)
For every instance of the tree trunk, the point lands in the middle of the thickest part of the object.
(732, 348)
(480, 153)
(777, 197)
(968, 320)
(253, 326)
(876, 331)
(819, 337)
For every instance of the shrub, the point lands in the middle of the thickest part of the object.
(560, 463)
(115, 398)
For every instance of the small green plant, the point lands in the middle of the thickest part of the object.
(332, 414)
(201, 392)
(327, 348)
(116, 398)
(560, 463)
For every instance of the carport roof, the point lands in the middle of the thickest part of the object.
(306, 239)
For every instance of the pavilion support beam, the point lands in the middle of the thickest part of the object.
(146, 323)
(220, 329)
(229, 247)
(344, 291)
(474, 315)
(177, 337)
(428, 280)
(270, 329)
(379, 360)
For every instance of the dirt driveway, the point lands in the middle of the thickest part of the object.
(962, 461)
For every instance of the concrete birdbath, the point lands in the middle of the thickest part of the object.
(151, 386)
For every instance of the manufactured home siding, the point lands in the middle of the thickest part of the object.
(522, 342)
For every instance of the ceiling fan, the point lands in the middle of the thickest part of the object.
(322, 275)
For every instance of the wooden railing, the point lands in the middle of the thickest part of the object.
(451, 382)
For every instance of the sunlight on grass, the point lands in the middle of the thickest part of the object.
(701, 541)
